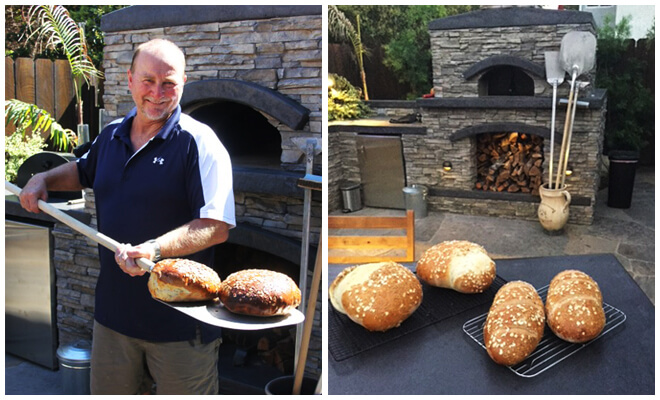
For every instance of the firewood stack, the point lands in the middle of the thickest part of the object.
(510, 162)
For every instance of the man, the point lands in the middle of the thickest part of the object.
(162, 183)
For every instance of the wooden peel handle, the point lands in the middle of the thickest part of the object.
(79, 227)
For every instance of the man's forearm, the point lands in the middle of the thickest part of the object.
(62, 178)
(192, 237)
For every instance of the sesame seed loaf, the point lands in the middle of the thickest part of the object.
(459, 265)
(260, 293)
(177, 279)
(574, 307)
(378, 296)
(515, 323)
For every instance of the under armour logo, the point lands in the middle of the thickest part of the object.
(159, 160)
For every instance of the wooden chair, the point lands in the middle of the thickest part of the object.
(402, 244)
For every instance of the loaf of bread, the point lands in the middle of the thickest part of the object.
(515, 323)
(459, 265)
(176, 279)
(378, 296)
(260, 293)
(574, 307)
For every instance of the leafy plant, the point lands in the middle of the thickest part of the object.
(26, 116)
(18, 149)
(630, 114)
(408, 54)
(54, 26)
(340, 26)
(344, 100)
(90, 15)
(402, 33)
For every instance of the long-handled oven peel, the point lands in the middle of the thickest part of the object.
(212, 313)
(555, 76)
(577, 55)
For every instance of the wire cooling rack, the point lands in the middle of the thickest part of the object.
(551, 350)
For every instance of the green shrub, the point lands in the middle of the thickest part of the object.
(630, 105)
(18, 148)
(344, 100)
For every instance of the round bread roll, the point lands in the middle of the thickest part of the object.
(378, 296)
(515, 323)
(574, 307)
(176, 279)
(459, 265)
(260, 293)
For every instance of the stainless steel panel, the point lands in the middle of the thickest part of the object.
(380, 159)
(30, 330)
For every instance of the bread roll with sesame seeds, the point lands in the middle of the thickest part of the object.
(177, 279)
(259, 293)
(459, 265)
(515, 323)
(574, 307)
(378, 296)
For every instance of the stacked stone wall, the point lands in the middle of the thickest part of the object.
(455, 51)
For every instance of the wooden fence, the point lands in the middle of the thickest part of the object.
(382, 83)
(49, 85)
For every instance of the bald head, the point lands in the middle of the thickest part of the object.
(160, 48)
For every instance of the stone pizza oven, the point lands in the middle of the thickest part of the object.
(490, 117)
(254, 75)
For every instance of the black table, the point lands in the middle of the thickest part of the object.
(443, 359)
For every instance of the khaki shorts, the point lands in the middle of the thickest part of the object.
(124, 365)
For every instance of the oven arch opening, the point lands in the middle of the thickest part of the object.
(506, 80)
(273, 103)
(247, 135)
(505, 75)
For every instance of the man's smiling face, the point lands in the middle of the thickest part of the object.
(156, 84)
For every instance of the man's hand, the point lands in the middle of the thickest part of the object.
(33, 191)
(61, 178)
(126, 256)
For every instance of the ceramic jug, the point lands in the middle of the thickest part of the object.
(553, 210)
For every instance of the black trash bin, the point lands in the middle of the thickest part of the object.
(623, 165)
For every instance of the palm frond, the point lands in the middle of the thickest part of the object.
(54, 25)
(26, 115)
(339, 25)
(343, 29)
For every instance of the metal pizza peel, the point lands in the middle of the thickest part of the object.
(555, 76)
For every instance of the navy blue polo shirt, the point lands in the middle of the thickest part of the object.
(183, 173)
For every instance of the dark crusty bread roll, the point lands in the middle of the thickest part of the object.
(459, 265)
(176, 279)
(378, 296)
(515, 323)
(260, 293)
(574, 307)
